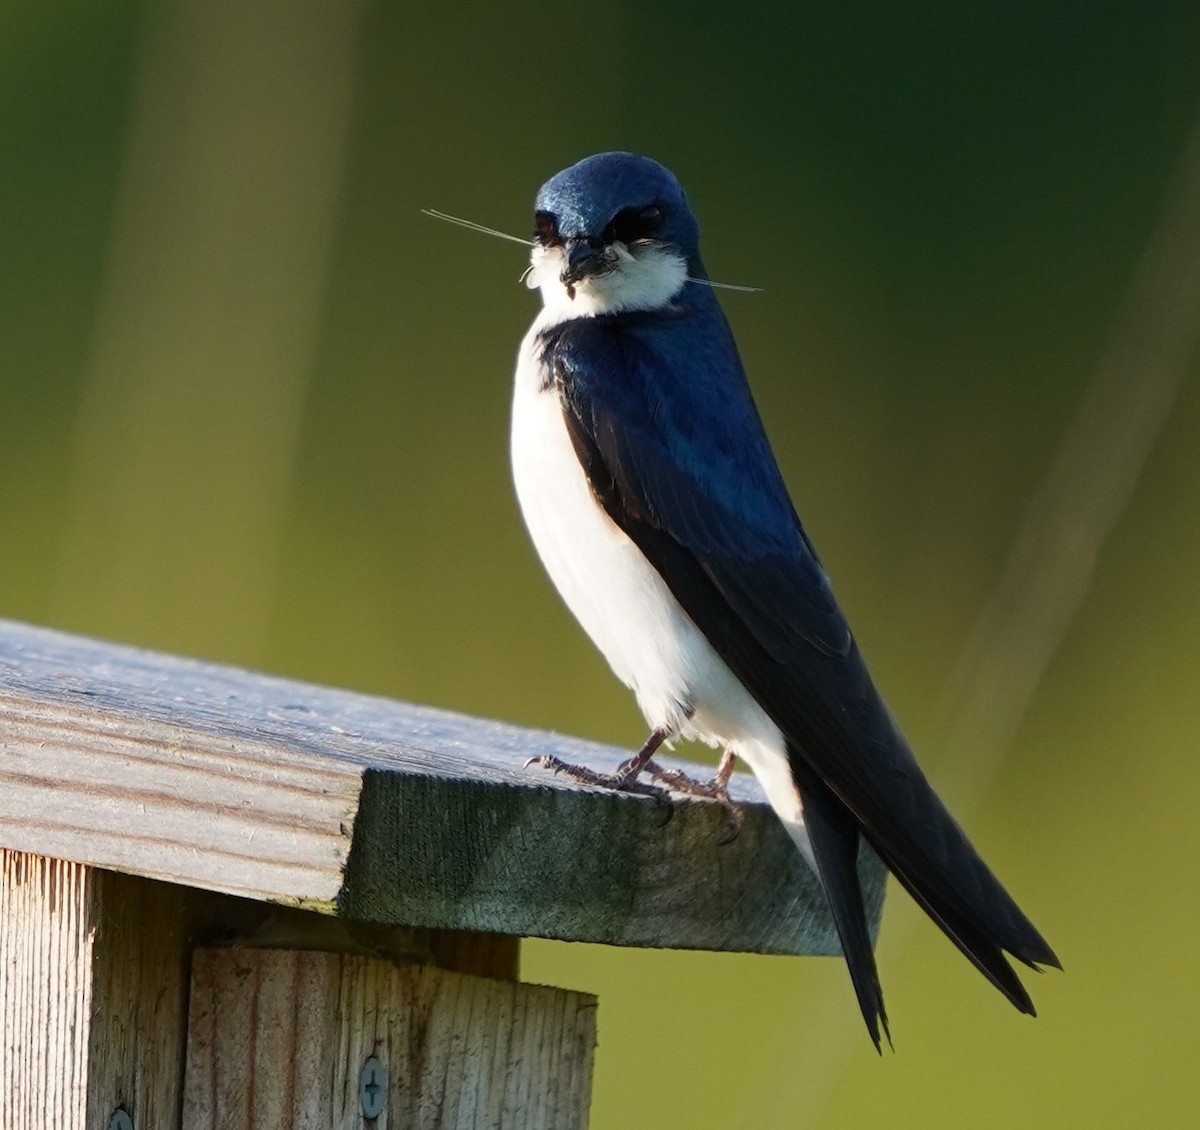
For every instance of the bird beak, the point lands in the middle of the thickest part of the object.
(583, 256)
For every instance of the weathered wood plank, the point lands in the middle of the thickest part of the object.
(138, 1015)
(95, 976)
(279, 1038)
(216, 778)
(43, 915)
(93, 988)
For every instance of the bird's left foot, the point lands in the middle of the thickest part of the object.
(624, 780)
(717, 789)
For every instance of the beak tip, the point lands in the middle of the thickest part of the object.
(584, 257)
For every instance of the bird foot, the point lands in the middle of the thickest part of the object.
(624, 780)
(716, 789)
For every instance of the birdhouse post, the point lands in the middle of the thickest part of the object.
(235, 902)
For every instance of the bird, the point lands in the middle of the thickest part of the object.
(652, 496)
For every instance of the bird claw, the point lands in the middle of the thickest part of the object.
(716, 789)
(624, 780)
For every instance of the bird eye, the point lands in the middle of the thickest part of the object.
(636, 225)
(545, 229)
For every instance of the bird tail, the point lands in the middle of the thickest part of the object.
(954, 887)
(985, 925)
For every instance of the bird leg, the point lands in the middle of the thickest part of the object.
(624, 779)
(717, 789)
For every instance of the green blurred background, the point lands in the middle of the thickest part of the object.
(253, 407)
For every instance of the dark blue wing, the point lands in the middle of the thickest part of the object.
(713, 489)
(664, 424)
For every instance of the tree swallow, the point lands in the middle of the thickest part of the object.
(655, 503)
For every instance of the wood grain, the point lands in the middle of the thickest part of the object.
(378, 811)
(278, 1038)
(93, 989)
(44, 912)
(138, 1017)
(95, 977)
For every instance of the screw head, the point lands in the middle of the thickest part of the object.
(120, 1120)
(372, 1088)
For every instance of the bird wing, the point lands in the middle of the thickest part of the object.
(674, 450)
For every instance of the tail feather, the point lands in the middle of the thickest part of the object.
(979, 948)
(834, 836)
(962, 897)
(960, 893)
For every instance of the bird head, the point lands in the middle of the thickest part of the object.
(612, 233)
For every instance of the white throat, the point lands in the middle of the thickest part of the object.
(643, 280)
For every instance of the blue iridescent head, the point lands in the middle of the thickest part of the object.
(617, 196)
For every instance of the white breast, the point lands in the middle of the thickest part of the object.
(618, 597)
(611, 589)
